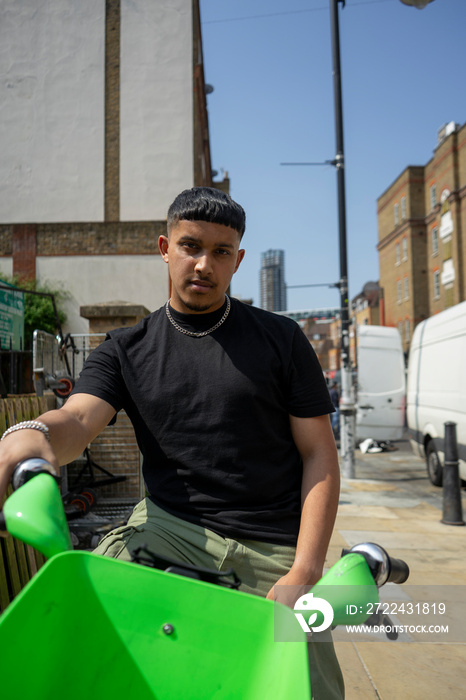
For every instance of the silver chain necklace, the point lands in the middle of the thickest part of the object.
(198, 334)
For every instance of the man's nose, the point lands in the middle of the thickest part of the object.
(203, 263)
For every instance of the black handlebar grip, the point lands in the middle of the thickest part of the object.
(399, 571)
(2, 521)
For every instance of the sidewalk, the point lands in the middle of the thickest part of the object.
(391, 502)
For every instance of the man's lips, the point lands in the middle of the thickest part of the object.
(201, 284)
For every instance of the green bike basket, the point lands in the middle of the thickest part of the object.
(93, 627)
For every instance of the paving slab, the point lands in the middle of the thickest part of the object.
(358, 684)
(413, 671)
(365, 511)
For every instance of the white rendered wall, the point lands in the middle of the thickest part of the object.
(6, 267)
(52, 90)
(52, 110)
(91, 279)
(156, 116)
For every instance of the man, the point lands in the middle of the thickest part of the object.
(230, 409)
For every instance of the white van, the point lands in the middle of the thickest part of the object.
(380, 385)
(437, 387)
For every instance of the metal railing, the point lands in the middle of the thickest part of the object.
(55, 359)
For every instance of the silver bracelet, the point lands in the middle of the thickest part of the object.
(28, 425)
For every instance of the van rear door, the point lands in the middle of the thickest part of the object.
(381, 384)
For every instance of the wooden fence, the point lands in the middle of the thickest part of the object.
(18, 562)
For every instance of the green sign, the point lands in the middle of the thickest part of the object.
(11, 318)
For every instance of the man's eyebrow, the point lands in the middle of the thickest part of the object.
(194, 239)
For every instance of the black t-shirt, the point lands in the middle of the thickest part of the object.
(211, 414)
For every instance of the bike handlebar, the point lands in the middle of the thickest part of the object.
(22, 473)
(385, 569)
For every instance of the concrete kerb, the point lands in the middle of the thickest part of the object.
(390, 501)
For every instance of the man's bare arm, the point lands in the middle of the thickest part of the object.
(320, 493)
(71, 429)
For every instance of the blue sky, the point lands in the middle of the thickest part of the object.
(270, 62)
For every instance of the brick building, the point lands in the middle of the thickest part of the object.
(104, 122)
(422, 236)
(366, 306)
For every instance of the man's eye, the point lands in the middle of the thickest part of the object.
(222, 251)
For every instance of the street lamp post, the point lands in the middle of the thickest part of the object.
(347, 406)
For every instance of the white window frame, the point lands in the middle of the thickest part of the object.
(404, 244)
(436, 284)
(396, 213)
(434, 239)
(433, 197)
(403, 208)
(406, 287)
(398, 291)
(397, 254)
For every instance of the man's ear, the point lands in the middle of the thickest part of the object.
(163, 247)
(239, 258)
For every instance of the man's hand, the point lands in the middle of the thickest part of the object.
(19, 446)
(290, 587)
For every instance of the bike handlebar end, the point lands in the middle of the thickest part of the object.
(399, 571)
(29, 468)
(385, 569)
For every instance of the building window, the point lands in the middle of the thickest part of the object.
(436, 284)
(396, 213)
(406, 285)
(397, 253)
(433, 197)
(398, 291)
(403, 208)
(400, 329)
(407, 330)
(405, 248)
(435, 240)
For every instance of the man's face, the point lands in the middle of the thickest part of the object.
(202, 258)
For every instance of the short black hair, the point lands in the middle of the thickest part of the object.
(207, 204)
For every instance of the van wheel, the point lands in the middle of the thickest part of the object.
(434, 467)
